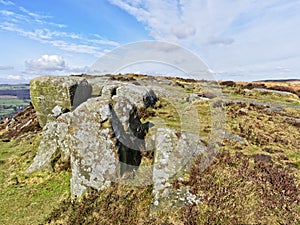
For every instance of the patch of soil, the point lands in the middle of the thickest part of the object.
(123, 78)
(23, 122)
(228, 83)
(251, 86)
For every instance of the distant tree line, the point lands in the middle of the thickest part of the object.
(21, 94)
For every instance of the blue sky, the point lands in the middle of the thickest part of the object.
(237, 39)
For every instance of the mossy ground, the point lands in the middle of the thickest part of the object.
(252, 183)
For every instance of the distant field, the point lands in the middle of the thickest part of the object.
(13, 98)
(13, 101)
(14, 86)
(10, 106)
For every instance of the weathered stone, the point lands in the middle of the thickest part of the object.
(195, 97)
(93, 150)
(226, 134)
(133, 93)
(54, 141)
(103, 139)
(84, 136)
(66, 92)
(174, 155)
(269, 91)
(129, 132)
(98, 83)
(109, 90)
(57, 111)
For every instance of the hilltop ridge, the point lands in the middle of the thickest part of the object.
(252, 178)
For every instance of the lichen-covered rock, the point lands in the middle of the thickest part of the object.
(84, 137)
(55, 140)
(66, 92)
(134, 93)
(93, 155)
(174, 155)
(150, 99)
(109, 90)
(102, 139)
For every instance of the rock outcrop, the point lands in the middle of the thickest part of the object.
(102, 137)
(66, 92)
(102, 140)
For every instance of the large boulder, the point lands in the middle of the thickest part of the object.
(141, 96)
(85, 138)
(101, 139)
(48, 92)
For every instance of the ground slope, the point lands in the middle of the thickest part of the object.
(253, 179)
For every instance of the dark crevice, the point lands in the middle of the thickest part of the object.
(113, 92)
(130, 143)
(80, 93)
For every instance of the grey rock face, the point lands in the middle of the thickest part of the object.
(83, 137)
(173, 157)
(284, 93)
(93, 151)
(103, 138)
(57, 111)
(134, 93)
(54, 140)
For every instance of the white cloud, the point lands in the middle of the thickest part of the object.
(182, 32)
(52, 65)
(45, 31)
(78, 48)
(32, 14)
(195, 19)
(14, 77)
(248, 36)
(6, 13)
(7, 3)
(46, 63)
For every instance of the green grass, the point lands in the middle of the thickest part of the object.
(253, 183)
(236, 93)
(27, 199)
(13, 102)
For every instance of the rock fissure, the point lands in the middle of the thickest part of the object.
(103, 139)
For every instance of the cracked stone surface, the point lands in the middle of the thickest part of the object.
(103, 137)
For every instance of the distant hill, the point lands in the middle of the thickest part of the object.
(21, 93)
(279, 80)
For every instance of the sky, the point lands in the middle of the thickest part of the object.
(242, 40)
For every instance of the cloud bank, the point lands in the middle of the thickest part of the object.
(236, 38)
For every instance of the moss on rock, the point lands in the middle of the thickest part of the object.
(48, 92)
